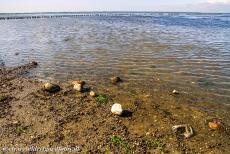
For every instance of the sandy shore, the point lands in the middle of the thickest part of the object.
(31, 116)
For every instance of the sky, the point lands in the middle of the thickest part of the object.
(21, 6)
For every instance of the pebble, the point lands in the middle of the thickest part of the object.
(50, 87)
(147, 96)
(115, 79)
(175, 92)
(92, 94)
(214, 125)
(78, 85)
(116, 109)
(34, 63)
(15, 122)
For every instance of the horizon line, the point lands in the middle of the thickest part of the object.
(37, 12)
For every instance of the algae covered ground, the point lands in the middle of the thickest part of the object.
(33, 117)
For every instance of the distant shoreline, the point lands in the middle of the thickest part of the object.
(35, 15)
(66, 12)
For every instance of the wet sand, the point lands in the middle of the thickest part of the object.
(30, 116)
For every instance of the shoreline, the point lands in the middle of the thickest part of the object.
(31, 116)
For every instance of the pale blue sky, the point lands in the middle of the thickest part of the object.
(114, 5)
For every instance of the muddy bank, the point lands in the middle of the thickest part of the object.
(30, 116)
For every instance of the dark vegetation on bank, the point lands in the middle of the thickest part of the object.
(32, 116)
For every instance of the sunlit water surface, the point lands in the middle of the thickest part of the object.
(185, 50)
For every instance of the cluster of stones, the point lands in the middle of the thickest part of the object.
(116, 108)
(78, 85)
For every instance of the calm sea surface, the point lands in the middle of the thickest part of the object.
(187, 51)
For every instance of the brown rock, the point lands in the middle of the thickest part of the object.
(214, 125)
(115, 79)
(34, 63)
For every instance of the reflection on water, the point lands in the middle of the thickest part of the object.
(185, 50)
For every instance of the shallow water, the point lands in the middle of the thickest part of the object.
(186, 51)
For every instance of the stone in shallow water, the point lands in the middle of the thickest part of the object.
(204, 82)
(16, 53)
(175, 92)
(34, 63)
(115, 79)
(50, 87)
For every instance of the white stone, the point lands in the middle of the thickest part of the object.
(92, 93)
(175, 92)
(78, 87)
(116, 109)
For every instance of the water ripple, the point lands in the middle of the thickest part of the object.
(186, 50)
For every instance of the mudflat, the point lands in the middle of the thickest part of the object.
(33, 117)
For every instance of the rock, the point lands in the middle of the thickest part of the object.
(116, 109)
(50, 87)
(214, 125)
(188, 130)
(175, 92)
(78, 85)
(34, 63)
(67, 39)
(115, 79)
(92, 94)
(16, 53)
